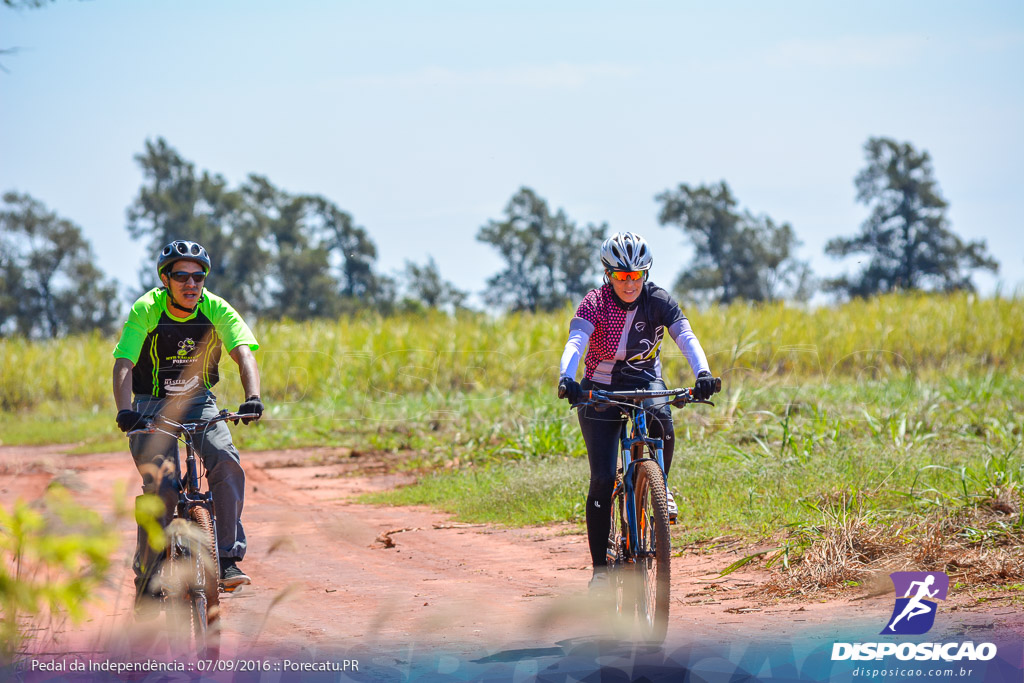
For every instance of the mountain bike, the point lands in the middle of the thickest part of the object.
(639, 544)
(186, 581)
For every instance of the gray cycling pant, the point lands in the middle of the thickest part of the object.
(154, 456)
(602, 429)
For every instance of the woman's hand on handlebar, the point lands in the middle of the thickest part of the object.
(570, 390)
(706, 386)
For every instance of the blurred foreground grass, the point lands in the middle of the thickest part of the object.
(54, 556)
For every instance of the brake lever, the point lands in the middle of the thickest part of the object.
(682, 404)
(150, 428)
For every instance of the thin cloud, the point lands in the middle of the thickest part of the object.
(546, 76)
(849, 51)
(997, 42)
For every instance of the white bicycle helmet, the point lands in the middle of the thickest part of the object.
(626, 251)
(183, 249)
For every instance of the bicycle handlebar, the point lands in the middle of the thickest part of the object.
(192, 428)
(682, 396)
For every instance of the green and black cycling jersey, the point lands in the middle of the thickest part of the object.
(179, 356)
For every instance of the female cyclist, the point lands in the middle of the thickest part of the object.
(624, 322)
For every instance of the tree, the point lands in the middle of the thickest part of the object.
(273, 253)
(907, 235)
(50, 284)
(549, 260)
(11, 283)
(353, 252)
(323, 262)
(737, 255)
(175, 202)
(425, 287)
(19, 5)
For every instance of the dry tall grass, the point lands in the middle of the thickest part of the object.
(436, 355)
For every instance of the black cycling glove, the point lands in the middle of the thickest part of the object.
(127, 420)
(570, 390)
(704, 387)
(253, 404)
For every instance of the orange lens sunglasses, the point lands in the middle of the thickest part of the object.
(626, 274)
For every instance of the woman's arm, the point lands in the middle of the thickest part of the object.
(579, 334)
(687, 342)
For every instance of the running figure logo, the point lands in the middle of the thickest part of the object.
(916, 595)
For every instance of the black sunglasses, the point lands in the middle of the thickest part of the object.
(183, 276)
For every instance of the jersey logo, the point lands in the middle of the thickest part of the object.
(185, 347)
(643, 363)
(639, 327)
(649, 352)
(174, 387)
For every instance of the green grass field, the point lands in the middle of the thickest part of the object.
(784, 456)
(897, 405)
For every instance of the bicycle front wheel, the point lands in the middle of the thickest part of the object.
(204, 593)
(176, 578)
(653, 552)
(616, 553)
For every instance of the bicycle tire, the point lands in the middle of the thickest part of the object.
(616, 552)
(205, 604)
(653, 552)
(174, 585)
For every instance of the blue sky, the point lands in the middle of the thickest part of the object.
(422, 119)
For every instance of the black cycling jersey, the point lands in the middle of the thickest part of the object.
(179, 356)
(625, 342)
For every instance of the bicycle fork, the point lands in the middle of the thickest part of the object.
(189, 485)
(633, 522)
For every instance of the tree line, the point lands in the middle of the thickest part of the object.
(300, 256)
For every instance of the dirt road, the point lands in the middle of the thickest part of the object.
(322, 580)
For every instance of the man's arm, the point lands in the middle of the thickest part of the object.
(247, 368)
(123, 383)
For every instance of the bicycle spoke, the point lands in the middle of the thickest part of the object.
(653, 561)
(616, 551)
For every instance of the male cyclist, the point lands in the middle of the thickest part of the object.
(624, 321)
(168, 356)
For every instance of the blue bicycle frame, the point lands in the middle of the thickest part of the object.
(635, 439)
(640, 537)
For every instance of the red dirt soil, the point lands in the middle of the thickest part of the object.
(321, 578)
